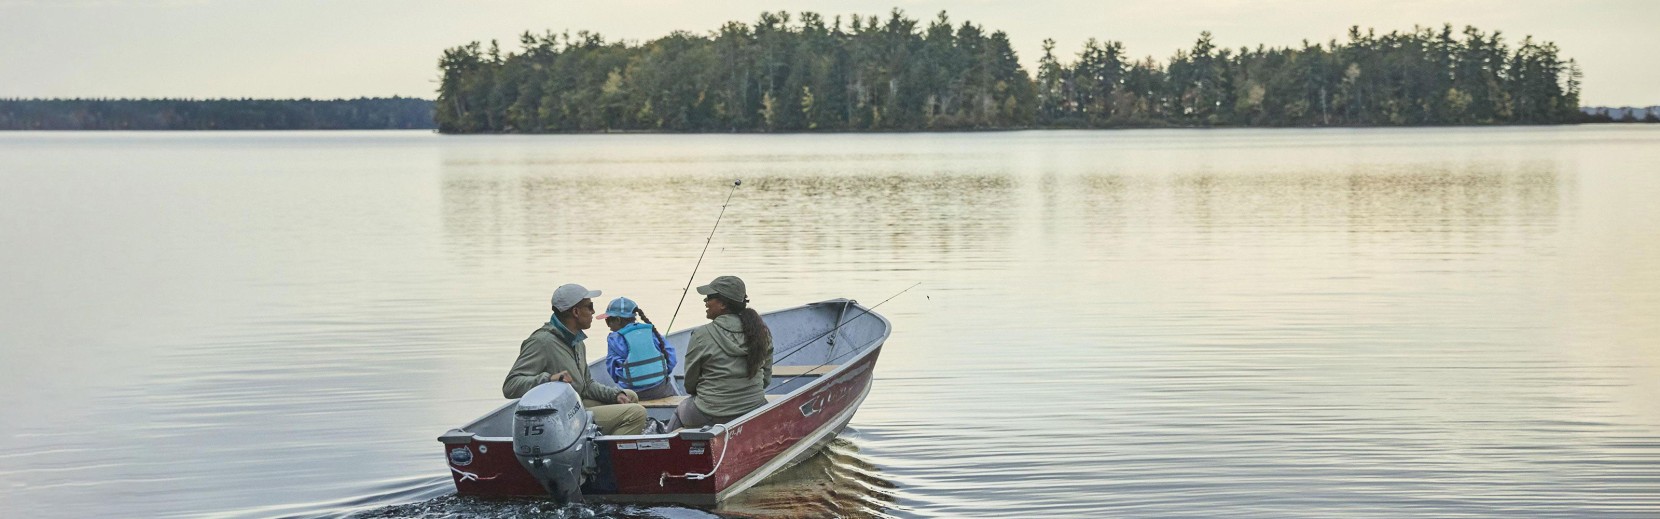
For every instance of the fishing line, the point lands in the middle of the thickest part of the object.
(831, 331)
(688, 287)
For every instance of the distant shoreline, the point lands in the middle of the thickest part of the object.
(401, 113)
(368, 113)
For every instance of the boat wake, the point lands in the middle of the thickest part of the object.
(836, 482)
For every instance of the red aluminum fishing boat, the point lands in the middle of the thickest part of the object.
(824, 354)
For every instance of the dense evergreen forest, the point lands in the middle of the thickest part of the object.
(216, 114)
(807, 73)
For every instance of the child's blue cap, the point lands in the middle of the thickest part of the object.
(620, 307)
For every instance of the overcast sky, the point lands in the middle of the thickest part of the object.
(354, 48)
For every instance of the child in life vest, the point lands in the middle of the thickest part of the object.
(636, 355)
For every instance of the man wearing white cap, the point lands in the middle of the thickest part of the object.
(555, 352)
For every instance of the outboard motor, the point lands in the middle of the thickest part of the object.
(553, 439)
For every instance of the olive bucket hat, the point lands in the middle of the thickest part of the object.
(729, 287)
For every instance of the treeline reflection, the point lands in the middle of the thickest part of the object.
(891, 220)
(888, 215)
(1431, 199)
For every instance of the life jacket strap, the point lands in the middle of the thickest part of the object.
(654, 360)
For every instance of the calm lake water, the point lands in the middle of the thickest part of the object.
(1227, 323)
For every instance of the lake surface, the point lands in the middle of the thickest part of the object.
(1224, 323)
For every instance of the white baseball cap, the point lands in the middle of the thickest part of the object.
(568, 295)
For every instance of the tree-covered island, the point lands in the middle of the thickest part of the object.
(809, 73)
(867, 73)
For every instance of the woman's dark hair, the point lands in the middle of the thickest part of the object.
(757, 338)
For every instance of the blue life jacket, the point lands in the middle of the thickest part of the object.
(646, 366)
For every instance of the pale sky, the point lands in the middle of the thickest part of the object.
(355, 48)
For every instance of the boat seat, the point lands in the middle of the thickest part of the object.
(777, 371)
(674, 401)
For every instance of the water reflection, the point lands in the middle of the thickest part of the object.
(854, 213)
(836, 483)
(1360, 201)
(1456, 322)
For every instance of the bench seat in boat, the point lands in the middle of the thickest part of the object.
(777, 371)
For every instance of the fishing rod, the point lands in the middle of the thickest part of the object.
(735, 183)
(866, 311)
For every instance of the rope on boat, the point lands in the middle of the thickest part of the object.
(724, 443)
(468, 476)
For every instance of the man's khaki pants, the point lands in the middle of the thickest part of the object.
(618, 418)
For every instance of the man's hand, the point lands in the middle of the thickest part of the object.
(622, 398)
(563, 376)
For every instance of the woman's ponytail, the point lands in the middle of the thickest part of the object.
(757, 338)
